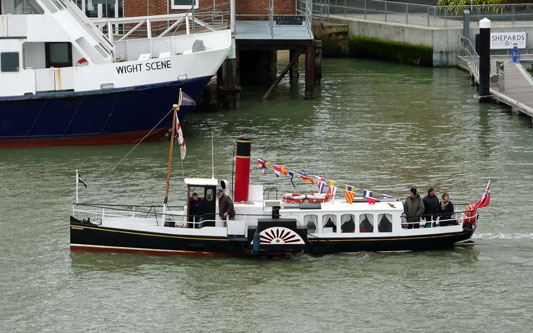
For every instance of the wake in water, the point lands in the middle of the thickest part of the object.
(513, 236)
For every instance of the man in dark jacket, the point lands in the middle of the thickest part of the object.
(413, 208)
(196, 211)
(225, 206)
(431, 207)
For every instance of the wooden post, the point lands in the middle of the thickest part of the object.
(294, 69)
(310, 72)
(318, 61)
(229, 86)
(275, 84)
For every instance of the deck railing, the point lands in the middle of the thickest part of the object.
(418, 14)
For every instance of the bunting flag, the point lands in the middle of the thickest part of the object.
(321, 186)
(485, 198)
(331, 191)
(81, 181)
(385, 196)
(291, 174)
(284, 170)
(181, 140)
(367, 193)
(304, 177)
(332, 188)
(349, 195)
(277, 170)
(263, 165)
(370, 200)
(350, 188)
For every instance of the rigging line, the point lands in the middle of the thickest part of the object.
(138, 143)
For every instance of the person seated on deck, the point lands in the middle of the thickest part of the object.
(196, 210)
(413, 209)
(431, 208)
(330, 224)
(446, 211)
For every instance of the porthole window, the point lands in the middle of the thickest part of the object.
(385, 223)
(311, 222)
(366, 223)
(9, 61)
(329, 223)
(209, 194)
(347, 223)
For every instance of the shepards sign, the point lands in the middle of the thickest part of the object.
(507, 40)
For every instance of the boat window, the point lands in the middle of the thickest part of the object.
(366, 223)
(329, 223)
(347, 223)
(311, 221)
(50, 6)
(385, 223)
(58, 54)
(9, 61)
(209, 194)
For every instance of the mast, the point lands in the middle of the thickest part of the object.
(176, 109)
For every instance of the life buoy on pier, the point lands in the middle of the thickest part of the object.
(293, 197)
(317, 197)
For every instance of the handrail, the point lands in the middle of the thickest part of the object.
(400, 12)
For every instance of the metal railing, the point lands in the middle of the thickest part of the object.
(473, 57)
(215, 17)
(418, 14)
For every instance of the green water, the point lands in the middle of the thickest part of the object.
(375, 125)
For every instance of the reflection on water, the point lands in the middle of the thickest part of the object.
(375, 125)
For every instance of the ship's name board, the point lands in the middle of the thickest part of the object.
(507, 40)
(146, 67)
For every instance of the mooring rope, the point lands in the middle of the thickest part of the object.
(138, 143)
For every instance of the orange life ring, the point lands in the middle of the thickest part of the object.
(470, 214)
(317, 197)
(293, 197)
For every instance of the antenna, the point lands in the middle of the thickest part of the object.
(212, 155)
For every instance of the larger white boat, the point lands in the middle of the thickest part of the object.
(62, 81)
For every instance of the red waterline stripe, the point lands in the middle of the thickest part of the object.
(97, 139)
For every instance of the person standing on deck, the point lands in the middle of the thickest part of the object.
(196, 213)
(446, 211)
(413, 208)
(431, 207)
(225, 206)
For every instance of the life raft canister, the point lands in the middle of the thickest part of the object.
(317, 197)
(470, 215)
(293, 197)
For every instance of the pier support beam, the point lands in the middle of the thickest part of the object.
(294, 73)
(310, 72)
(228, 84)
(318, 61)
(484, 61)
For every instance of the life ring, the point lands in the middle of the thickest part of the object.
(317, 197)
(470, 215)
(82, 61)
(293, 197)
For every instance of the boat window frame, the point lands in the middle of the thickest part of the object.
(342, 223)
(7, 62)
(389, 217)
(315, 222)
(324, 222)
(371, 221)
(49, 64)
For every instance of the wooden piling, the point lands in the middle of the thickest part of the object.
(294, 73)
(310, 72)
(318, 61)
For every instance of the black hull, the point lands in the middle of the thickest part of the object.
(414, 243)
(91, 237)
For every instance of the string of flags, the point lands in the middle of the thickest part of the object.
(320, 182)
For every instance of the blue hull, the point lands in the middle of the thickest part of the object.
(103, 116)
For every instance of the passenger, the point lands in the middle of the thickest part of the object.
(331, 225)
(446, 211)
(413, 208)
(431, 207)
(225, 206)
(196, 211)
